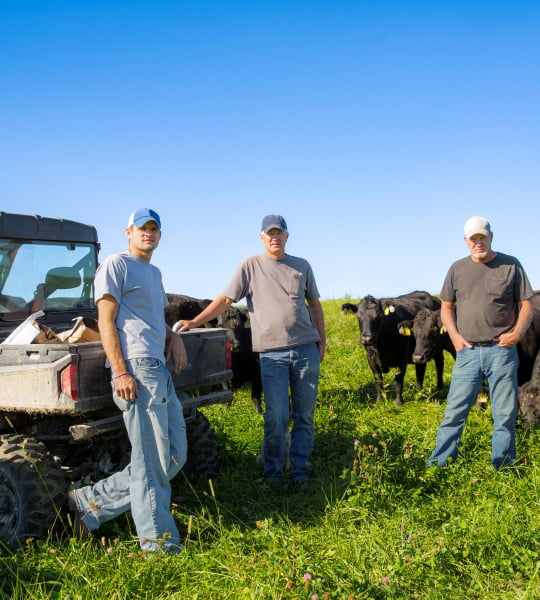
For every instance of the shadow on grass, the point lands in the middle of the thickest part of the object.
(372, 474)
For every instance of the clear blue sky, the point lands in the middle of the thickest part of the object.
(375, 127)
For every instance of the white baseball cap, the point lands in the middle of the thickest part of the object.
(477, 225)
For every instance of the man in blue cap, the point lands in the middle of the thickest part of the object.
(131, 301)
(287, 325)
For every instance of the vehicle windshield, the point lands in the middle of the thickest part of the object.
(48, 276)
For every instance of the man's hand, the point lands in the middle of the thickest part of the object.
(322, 350)
(183, 325)
(460, 342)
(126, 387)
(177, 351)
(509, 339)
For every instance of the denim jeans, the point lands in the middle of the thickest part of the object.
(297, 368)
(499, 366)
(156, 429)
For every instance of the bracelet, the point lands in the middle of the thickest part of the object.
(121, 374)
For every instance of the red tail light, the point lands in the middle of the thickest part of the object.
(69, 381)
(228, 353)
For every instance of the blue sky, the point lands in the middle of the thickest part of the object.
(375, 127)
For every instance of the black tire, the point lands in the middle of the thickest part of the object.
(32, 489)
(203, 450)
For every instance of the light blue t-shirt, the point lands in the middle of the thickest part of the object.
(137, 287)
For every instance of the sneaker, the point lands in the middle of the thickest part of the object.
(80, 530)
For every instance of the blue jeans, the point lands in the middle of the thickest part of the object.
(298, 368)
(499, 366)
(157, 432)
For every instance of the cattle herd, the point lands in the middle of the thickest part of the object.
(395, 332)
(408, 330)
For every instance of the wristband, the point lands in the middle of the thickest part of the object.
(121, 374)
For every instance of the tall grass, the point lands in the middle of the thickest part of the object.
(376, 523)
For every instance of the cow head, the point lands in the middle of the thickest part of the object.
(369, 314)
(234, 320)
(427, 328)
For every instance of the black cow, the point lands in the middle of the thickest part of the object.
(245, 362)
(385, 347)
(431, 339)
(184, 308)
(529, 344)
(529, 396)
(529, 368)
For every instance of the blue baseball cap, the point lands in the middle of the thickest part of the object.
(273, 222)
(140, 217)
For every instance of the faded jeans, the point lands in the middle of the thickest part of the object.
(499, 366)
(298, 368)
(157, 432)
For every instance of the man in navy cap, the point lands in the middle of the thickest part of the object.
(287, 325)
(131, 301)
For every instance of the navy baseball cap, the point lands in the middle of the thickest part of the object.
(273, 222)
(140, 217)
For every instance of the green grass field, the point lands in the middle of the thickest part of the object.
(375, 523)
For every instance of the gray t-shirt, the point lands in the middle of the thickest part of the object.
(486, 295)
(137, 287)
(276, 292)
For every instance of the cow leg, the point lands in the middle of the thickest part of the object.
(378, 384)
(256, 385)
(398, 385)
(420, 374)
(439, 366)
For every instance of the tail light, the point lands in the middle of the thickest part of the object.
(228, 354)
(69, 381)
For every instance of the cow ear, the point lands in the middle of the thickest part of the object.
(405, 331)
(349, 309)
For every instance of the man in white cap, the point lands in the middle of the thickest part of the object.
(131, 300)
(287, 325)
(486, 309)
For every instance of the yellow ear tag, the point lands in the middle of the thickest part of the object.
(406, 331)
(386, 310)
(349, 315)
(442, 330)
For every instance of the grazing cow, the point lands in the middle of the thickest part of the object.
(245, 362)
(431, 339)
(385, 347)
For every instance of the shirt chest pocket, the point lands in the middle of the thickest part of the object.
(295, 283)
(499, 286)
